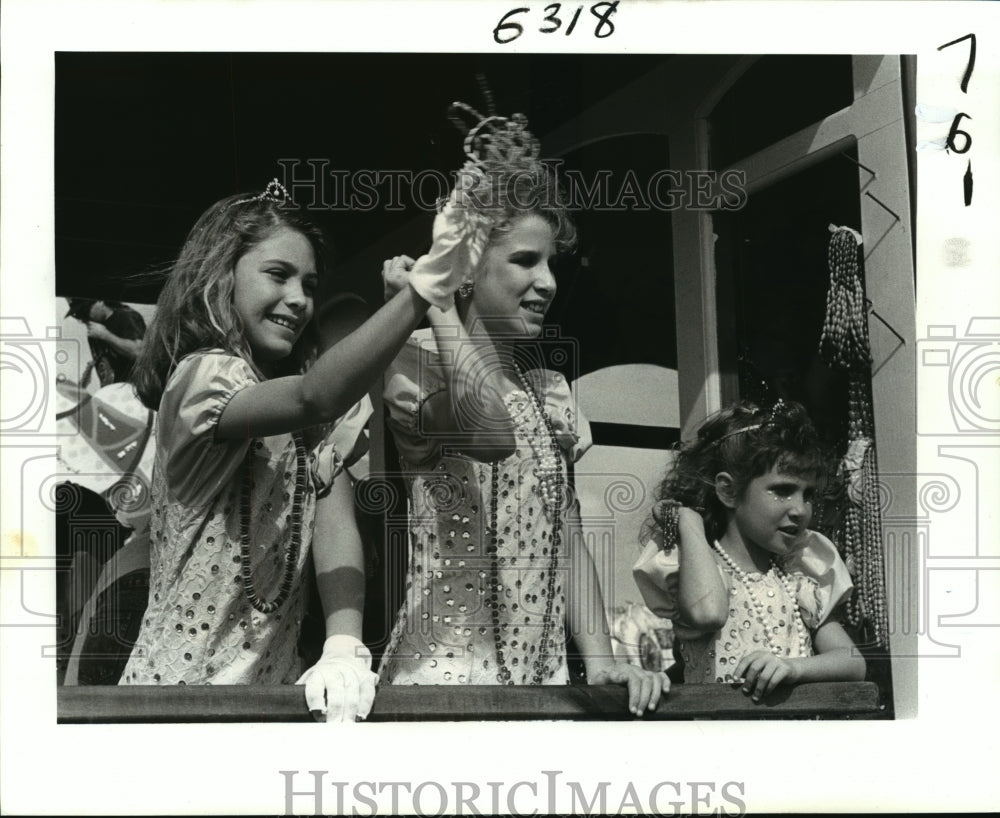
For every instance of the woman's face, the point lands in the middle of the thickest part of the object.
(273, 295)
(515, 285)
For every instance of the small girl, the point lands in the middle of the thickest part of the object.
(756, 606)
(242, 471)
(498, 570)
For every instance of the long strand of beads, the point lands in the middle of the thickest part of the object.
(555, 541)
(492, 547)
(844, 344)
(844, 337)
(760, 610)
(545, 448)
(291, 555)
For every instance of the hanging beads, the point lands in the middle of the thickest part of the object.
(551, 482)
(291, 555)
(844, 344)
(844, 339)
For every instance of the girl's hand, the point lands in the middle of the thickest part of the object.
(762, 671)
(396, 274)
(690, 520)
(340, 687)
(460, 234)
(644, 686)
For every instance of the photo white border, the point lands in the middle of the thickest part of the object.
(944, 759)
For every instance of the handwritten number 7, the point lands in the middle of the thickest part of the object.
(972, 59)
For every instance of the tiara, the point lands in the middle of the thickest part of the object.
(274, 192)
(779, 407)
(498, 151)
(498, 143)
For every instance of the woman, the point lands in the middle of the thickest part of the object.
(497, 568)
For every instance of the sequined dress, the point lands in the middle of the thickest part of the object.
(199, 627)
(817, 578)
(472, 615)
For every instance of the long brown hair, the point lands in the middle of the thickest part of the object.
(195, 308)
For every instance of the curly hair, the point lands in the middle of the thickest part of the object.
(195, 308)
(537, 193)
(745, 441)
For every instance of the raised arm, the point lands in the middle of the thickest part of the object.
(470, 414)
(126, 346)
(341, 376)
(701, 594)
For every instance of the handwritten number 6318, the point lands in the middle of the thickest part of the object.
(508, 29)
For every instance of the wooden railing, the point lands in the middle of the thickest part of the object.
(286, 703)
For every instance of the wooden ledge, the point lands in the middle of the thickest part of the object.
(285, 703)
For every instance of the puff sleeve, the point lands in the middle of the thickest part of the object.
(414, 376)
(571, 428)
(344, 444)
(656, 575)
(348, 435)
(197, 466)
(823, 580)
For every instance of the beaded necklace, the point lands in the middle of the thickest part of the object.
(758, 605)
(550, 487)
(291, 556)
(844, 345)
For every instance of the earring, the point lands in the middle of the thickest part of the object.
(465, 290)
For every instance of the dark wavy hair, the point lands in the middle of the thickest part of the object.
(745, 441)
(195, 308)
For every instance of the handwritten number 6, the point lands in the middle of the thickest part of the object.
(950, 141)
(505, 26)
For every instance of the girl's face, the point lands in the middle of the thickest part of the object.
(515, 285)
(275, 282)
(775, 510)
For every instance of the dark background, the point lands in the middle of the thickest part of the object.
(145, 142)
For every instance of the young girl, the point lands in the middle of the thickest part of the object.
(497, 565)
(756, 606)
(241, 473)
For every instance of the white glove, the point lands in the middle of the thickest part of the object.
(460, 234)
(341, 684)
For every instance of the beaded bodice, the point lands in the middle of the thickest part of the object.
(762, 616)
(486, 586)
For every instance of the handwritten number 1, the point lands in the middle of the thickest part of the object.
(572, 23)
